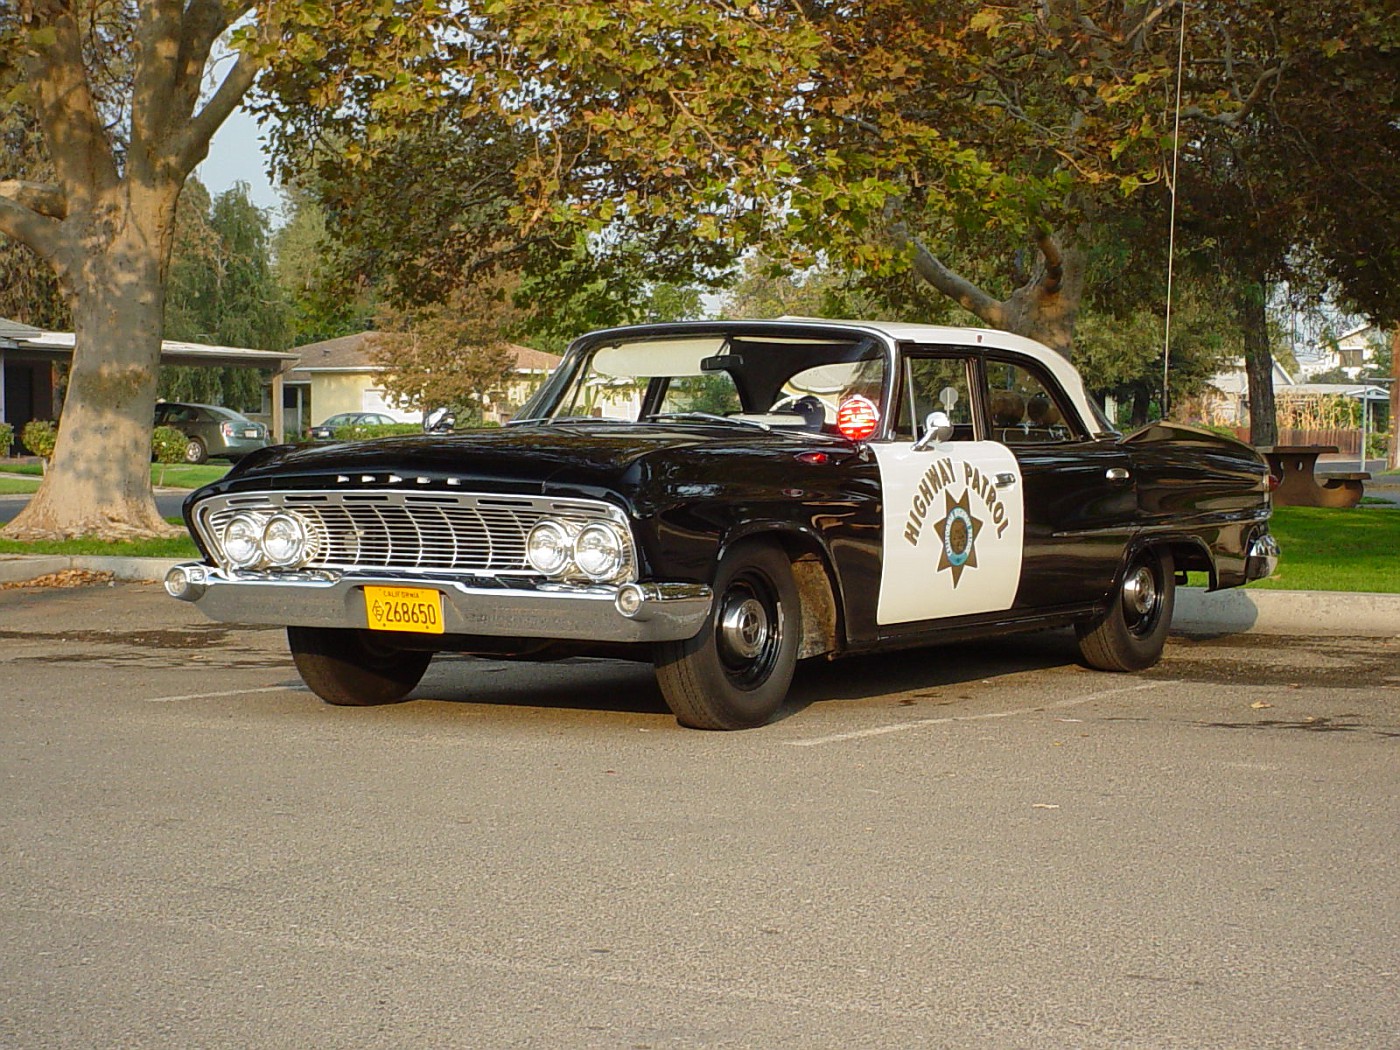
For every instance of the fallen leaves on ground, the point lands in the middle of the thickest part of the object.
(63, 578)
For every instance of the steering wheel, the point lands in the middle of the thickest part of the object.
(808, 406)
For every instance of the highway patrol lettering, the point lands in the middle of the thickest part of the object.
(940, 474)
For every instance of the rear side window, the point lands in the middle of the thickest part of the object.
(1024, 408)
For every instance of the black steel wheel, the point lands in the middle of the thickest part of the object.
(735, 673)
(348, 667)
(1132, 632)
(195, 452)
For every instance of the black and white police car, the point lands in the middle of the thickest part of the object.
(727, 498)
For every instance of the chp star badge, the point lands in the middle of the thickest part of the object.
(958, 531)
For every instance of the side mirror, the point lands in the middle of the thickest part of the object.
(937, 429)
(439, 421)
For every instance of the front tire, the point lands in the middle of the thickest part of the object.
(344, 667)
(735, 673)
(1133, 631)
(195, 452)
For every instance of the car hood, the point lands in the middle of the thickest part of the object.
(527, 458)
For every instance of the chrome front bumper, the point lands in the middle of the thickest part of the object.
(632, 612)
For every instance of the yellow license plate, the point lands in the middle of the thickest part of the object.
(416, 609)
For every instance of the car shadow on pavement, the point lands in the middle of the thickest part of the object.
(623, 687)
(579, 683)
(919, 674)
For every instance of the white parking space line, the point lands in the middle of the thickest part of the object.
(858, 734)
(229, 692)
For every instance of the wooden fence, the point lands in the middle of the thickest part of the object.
(1348, 442)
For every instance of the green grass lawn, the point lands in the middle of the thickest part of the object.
(179, 547)
(16, 486)
(1337, 550)
(177, 476)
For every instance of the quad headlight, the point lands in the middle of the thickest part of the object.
(242, 539)
(548, 548)
(284, 540)
(253, 540)
(598, 551)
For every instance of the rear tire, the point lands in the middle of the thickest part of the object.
(344, 667)
(1133, 631)
(735, 673)
(195, 452)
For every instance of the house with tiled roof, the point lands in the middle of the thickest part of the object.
(342, 375)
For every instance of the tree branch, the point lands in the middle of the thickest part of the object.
(953, 285)
(62, 99)
(1054, 260)
(40, 232)
(192, 146)
(44, 198)
(1236, 117)
(1150, 19)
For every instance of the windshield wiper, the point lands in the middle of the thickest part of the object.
(708, 417)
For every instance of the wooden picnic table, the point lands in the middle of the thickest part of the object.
(1295, 467)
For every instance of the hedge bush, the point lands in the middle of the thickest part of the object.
(40, 436)
(363, 433)
(7, 438)
(167, 447)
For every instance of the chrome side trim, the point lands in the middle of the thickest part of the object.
(1183, 527)
(658, 612)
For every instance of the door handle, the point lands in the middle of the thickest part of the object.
(1117, 474)
(1005, 479)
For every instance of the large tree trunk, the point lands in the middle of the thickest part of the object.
(99, 483)
(1046, 307)
(105, 225)
(1258, 366)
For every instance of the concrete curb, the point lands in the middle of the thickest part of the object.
(1235, 611)
(1312, 613)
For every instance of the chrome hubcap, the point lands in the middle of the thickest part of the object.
(744, 628)
(1140, 593)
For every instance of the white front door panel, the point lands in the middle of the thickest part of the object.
(953, 530)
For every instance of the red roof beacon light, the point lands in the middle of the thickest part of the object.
(857, 418)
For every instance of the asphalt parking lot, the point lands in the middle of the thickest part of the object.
(972, 846)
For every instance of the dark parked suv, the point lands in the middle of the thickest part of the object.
(212, 431)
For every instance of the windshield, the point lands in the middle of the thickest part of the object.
(786, 382)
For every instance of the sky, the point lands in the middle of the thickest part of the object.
(236, 155)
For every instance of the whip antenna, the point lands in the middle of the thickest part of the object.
(1171, 222)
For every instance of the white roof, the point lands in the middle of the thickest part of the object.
(173, 351)
(893, 332)
(1358, 390)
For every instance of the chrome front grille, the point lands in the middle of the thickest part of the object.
(430, 531)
